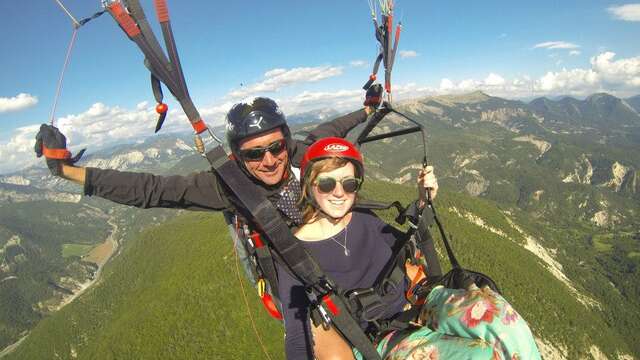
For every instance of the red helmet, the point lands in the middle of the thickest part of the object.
(332, 147)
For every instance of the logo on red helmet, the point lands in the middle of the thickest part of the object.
(335, 147)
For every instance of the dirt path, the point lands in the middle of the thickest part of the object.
(99, 255)
(9, 349)
(103, 252)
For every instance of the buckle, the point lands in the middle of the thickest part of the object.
(366, 303)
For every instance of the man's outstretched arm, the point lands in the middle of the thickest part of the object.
(74, 173)
(198, 191)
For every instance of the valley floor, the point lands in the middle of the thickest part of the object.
(100, 255)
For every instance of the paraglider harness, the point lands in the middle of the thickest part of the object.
(272, 239)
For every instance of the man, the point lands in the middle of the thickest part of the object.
(261, 142)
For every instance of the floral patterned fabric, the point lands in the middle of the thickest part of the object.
(465, 324)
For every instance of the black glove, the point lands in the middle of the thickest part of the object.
(374, 96)
(51, 143)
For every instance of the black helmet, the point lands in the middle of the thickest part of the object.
(245, 120)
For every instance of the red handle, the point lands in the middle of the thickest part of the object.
(162, 10)
(271, 307)
(330, 304)
(58, 154)
(122, 17)
(199, 126)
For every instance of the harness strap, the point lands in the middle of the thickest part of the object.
(269, 222)
(424, 242)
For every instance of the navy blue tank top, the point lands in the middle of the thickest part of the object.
(369, 241)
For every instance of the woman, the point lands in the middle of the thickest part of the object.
(352, 247)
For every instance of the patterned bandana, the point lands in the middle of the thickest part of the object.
(288, 201)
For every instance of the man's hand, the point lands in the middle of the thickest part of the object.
(373, 97)
(51, 143)
(427, 181)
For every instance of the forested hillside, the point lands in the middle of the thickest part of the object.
(174, 293)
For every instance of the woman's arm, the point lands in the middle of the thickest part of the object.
(329, 345)
(427, 181)
(300, 333)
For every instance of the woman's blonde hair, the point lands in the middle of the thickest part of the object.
(309, 211)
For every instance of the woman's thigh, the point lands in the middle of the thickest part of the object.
(480, 314)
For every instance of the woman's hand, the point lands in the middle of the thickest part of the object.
(427, 182)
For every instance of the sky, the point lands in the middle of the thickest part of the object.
(307, 55)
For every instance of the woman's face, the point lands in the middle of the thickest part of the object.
(337, 202)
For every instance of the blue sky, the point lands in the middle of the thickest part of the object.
(306, 54)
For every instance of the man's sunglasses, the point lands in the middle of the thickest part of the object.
(257, 153)
(327, 184)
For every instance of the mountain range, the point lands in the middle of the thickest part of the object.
(556, 179)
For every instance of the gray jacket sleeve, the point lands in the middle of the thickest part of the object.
(338, 127)
(197, 191)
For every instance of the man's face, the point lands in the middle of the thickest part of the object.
(271, 167)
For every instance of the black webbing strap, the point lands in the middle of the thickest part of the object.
(292, 252)
(136, 11)
(425, 243)
(452, 257)
(165, 69)
(265, 261)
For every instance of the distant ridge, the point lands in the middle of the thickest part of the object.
(634, 102)
(600, 110)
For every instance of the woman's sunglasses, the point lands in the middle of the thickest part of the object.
(327, 184)
(257, 153)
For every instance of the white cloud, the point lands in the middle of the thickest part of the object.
(358, 63)
(468, 85)
(405, 54)
(278, 78)
(628, 12)
(623, 71)
(308, 100)
(620, 77)
(446, 85)
(101, 125)
(19, 102)
(569, 81)
(96, 127)
(18, 151)
(606, 74)
(494, 80)
(574, 53)
(556, 45)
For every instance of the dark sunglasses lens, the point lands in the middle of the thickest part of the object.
(274, 148)
(326, 185)
(350, 185)
(253, 154)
